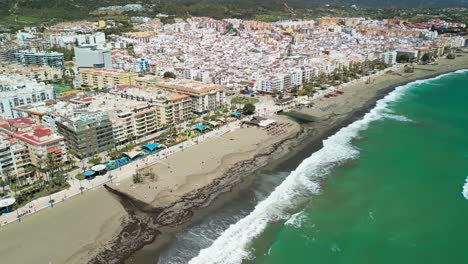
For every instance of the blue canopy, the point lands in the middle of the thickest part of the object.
(236, 114)
(123, 160)
(88, 173)
(201, 127)
(152, 146)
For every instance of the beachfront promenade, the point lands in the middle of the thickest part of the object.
(78, 187)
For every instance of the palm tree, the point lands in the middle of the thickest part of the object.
(33, 170)
(7, 172)
(71, 164)
(3, 184)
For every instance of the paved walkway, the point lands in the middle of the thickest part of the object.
(78, 187)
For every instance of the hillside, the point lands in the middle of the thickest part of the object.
(16, 14)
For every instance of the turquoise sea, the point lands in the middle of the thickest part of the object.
(386, 189)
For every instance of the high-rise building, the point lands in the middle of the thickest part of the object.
(86, 134)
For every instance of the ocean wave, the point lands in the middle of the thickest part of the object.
(400, 118)
(231, 246)
(465, 189)
(296, 220)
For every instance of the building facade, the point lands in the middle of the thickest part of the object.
(18, 90)
(389, 57)
(100, 78)
(86, 134)
(53, 59)
(205, 97)
(39, 140)
(90, 56)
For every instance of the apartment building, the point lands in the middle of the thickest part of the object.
(7, 51)
(86, 134)
(205, 96)
(389, 57)
(39, 73)
(131, 118)
(171, 108)
(53, 59)
(39, 140)
(270, 85)
(18, 90)
(7, 159)
(101, 78)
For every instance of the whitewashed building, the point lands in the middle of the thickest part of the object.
(18, 90)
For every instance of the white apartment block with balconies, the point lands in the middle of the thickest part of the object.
(17, 90)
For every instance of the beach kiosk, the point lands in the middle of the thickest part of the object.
(6, 205)
(134, 155)
(236, 114)
(201, 128)
(99, 169)
(151, 148)
(89, 173)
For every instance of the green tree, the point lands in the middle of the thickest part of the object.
(426, 57)
(95, 160)
(137, 178)
(169, 75)
(403, 58)
(248, 109)
(3, 184)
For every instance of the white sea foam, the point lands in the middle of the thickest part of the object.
(232, 246)
(465, 189)
(400, 118)
(296, 220)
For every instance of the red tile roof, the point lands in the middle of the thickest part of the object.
(21, 122)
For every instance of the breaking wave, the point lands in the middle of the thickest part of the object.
(232, 246)
(400, 118)
(296, 220)
(465, 189)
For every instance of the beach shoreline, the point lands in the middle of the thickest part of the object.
(329, 123)
(357, 100)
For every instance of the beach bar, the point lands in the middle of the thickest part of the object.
(99, 169)
(6, 205)
(151, 147)
(201, 128)
(89, 173)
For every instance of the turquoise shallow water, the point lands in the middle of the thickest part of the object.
(399, 201)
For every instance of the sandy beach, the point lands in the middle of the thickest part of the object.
(89, 227)
(67, 233)
(198, 166)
